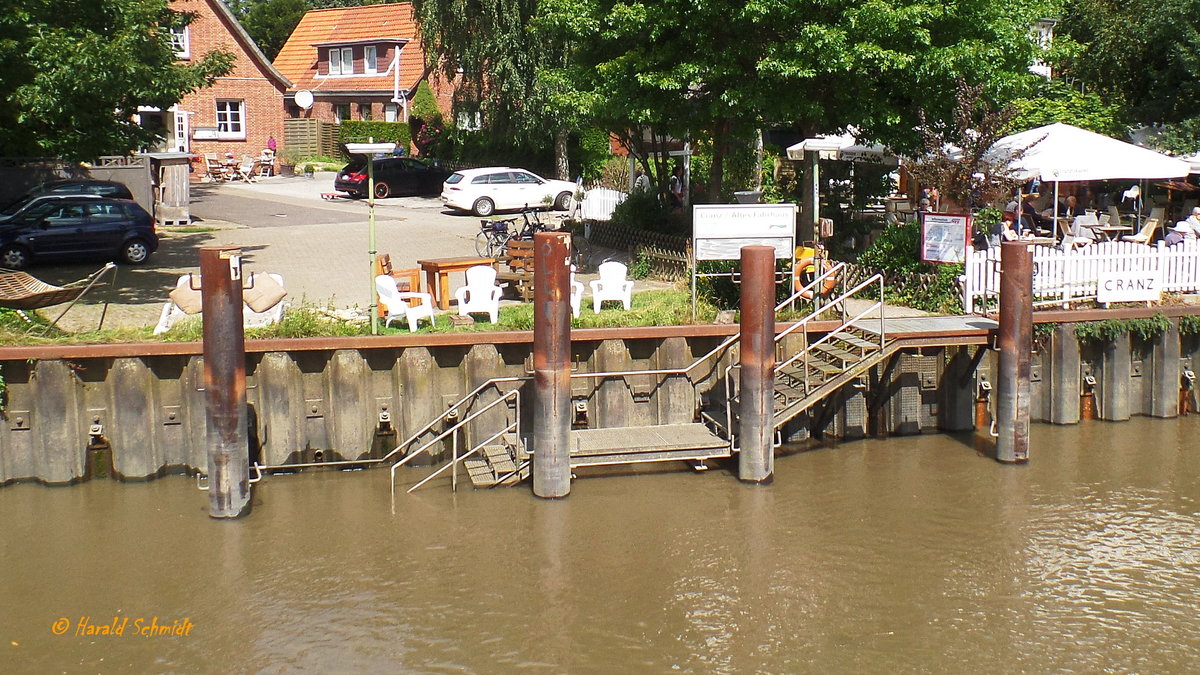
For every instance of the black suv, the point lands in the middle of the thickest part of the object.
(58, 228)
(393, 176)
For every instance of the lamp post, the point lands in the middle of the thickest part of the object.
(369, 150)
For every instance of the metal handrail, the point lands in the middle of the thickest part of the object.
(840, 299)
(458, 458)
(820, 278)
(515, 393)
(454, 406)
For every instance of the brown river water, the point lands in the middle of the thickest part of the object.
(910, 554)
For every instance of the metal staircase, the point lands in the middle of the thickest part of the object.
(820, 366)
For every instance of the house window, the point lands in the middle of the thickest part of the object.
(341, 112)
(391, 112)
(231, 123)
(364, 111)
(180, 42)
(341, 61)
(370, 59)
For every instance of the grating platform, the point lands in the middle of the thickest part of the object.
(633, 445)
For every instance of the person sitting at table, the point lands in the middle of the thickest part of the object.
(1008, 227)
(1177, 234)
(1031, 220)
(1193, 222)
(1070, 207)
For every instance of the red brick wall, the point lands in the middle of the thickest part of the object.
(262, 97)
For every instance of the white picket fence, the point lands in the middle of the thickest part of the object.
(1062, 276)
(598, 203)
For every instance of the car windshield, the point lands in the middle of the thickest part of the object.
(16, 205)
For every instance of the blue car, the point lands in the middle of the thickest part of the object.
(59, 228)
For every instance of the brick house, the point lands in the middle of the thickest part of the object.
(360, 63)
(241, 110)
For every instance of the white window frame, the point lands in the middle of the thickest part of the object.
(339, 108)
(341, 60)
(370, 60)
(181, 42)
(231, 122)
(347, 60)
(391, 112)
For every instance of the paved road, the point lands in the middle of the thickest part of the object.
(283, 226)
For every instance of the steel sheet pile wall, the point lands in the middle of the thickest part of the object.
(150, 411)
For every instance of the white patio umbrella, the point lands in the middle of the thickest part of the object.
(844, 147)
(1061, 152)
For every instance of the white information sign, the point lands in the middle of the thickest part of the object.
(1129, 287)
(719, 231)
(944, 237)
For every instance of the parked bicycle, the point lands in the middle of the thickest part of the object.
(493, 237)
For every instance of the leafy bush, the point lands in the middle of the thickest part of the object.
(644, 211)
(1189, 324)
(424, 105)
(722, 293)
(363, 131)
(897, 249)
(1110, 330)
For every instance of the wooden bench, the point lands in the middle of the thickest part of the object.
(516, 268)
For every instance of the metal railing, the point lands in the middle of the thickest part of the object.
(511, 427)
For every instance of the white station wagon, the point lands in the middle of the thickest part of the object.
(498, 188)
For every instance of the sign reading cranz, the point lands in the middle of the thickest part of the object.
(719, 231)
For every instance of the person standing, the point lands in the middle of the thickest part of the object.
(641, 182)
(676, 187)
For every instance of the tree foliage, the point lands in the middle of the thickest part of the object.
(271, 22)
(959, 162)
(1056, 101)
(1143, 54)
(72, 73)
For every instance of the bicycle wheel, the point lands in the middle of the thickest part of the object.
(581, 253)
(483, 244)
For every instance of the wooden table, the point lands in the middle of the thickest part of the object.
(1112, 232)
(437, 275)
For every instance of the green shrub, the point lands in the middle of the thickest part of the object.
(722, 293)
(644, 211)
(1189, 324)
(1110, 330)
(424, 105)
(363, 131)
(897, 249)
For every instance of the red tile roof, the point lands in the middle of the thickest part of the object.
(298, 58)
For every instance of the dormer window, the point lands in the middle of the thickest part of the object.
(370, 60)
(341, 61)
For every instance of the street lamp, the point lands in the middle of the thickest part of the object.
(370, 150)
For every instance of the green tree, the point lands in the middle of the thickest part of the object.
(73, 72)
(1056, 101)
(719, 68)
(1144, 54)
(271, 22)
(512, 55)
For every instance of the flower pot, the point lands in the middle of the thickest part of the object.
(287, 170)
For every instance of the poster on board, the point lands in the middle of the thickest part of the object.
(944, 237)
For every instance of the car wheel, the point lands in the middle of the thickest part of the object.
(382, 190)
(14, 257)
(135, 252)
(484, 207)
(563, 202)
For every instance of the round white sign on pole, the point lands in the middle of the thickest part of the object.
(304, 99)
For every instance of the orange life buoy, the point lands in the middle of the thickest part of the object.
(826, 287)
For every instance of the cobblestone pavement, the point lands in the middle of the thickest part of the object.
(282, 225)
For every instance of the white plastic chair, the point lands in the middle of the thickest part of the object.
(481, 294)
(396, 303)
(576, 294)
(612, 285)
